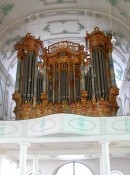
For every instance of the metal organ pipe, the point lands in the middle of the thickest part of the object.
(31, 67)
(90, 84)
(32, 77)
(53, 84)
(74, 83)
(39, 87)
(23, 82)
(104, 75)
(60, 84)
(28, 72)
(26, 76)
(93, 73)
(101, 73)
(35, 78)
(69, 82)
(108, 77)
(56, 83)
(99, 79)
(44, 78)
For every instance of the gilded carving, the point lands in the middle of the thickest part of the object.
(17, 98)
(71, 83)
(93, 109)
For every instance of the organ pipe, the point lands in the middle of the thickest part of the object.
(100, 47)
(17, 85)
(27, 53)
(65, 78)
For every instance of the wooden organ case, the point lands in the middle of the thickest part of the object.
(63, 78)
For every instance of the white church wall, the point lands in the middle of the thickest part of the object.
(125, 92)
(2, 87)
(120, 164)
(97, 128)
(8, 102)
(11, 164)
(49, 167)
(7, 86)
(120, 110)
(121, 62)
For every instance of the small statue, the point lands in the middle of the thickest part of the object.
(17, 98)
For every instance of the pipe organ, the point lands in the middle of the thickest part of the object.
(63, 73)
(64, 78)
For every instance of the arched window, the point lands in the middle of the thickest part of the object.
(74, 168)
(116, 172)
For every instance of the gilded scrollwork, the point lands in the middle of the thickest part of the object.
(67, 79)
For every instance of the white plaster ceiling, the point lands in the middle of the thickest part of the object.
(68, 151)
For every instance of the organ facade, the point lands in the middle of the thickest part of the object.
(64, 78)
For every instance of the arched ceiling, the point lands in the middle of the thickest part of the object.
(52, 19)
(55, 20)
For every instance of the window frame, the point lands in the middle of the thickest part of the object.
(117, 171)
(74, 162)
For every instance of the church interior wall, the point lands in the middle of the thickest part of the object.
(120, 164)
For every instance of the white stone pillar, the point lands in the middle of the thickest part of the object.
(1, 159)
(23, 155)
(35, 165)
(101, 169)
(105, 158)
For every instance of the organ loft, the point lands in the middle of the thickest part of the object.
(64, 78)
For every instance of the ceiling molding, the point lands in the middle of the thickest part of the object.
(61, 11)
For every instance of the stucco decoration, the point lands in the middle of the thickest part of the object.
(127, 106)
(43, 125)
(82, 124)
(46, 2)
(6, 129)
(118, 70)
(5, 9)
(1, 92)
(115, 3)
(8, 50)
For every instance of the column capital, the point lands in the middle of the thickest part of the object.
(24, 145)
(105, 143)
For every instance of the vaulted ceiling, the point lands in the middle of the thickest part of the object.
(60, 19)
(55, 20)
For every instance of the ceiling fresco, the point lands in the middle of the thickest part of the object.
(4, 10)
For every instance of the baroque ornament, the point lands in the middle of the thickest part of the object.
(64, 78)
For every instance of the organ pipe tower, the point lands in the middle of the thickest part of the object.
(64, 78)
